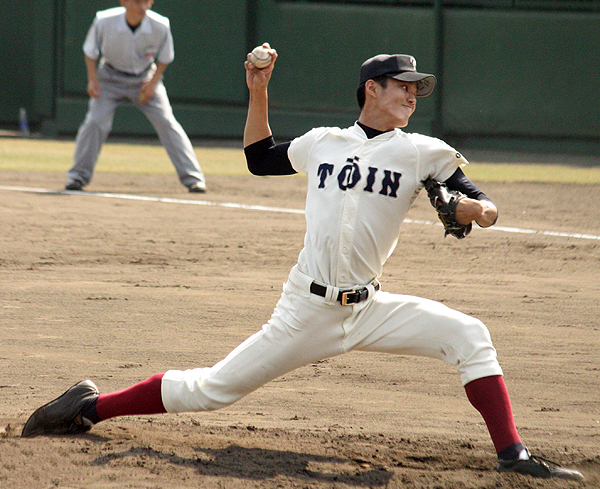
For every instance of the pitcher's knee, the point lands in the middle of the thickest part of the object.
(477, 354)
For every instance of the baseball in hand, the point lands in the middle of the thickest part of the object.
(260, 56)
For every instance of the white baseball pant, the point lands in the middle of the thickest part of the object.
(306, 328)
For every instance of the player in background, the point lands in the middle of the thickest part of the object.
(361, 182)
(136, 47)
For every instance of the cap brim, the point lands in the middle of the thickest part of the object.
(425, 82)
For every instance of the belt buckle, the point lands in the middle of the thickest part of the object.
(346, 296)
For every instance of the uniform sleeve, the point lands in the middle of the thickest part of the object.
(166, 53)
(438, 159)
(300, 148)
(91, 45)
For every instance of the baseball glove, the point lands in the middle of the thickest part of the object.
(444, 201)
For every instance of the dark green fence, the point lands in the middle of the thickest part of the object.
(516, 74)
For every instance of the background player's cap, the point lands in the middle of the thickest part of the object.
(400, 67)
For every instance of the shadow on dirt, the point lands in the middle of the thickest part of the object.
(258, 464)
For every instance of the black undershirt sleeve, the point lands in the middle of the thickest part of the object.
(459, 181)
(267, 158)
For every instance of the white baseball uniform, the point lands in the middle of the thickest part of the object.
(359, 191)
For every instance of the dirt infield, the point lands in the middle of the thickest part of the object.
(117, 290)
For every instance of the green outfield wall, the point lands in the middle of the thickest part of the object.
(512, 74)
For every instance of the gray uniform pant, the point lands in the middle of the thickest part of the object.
(116, 87)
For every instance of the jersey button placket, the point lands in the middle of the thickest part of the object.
(347, 232)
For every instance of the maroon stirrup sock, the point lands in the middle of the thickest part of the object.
(142, 398)
(490, 397)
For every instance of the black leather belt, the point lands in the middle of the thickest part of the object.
(124, 73)
(345, 297)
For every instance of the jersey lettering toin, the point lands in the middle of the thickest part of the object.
(349, 176)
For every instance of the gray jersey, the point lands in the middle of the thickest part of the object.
(127, 51)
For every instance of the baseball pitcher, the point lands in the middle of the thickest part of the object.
(361, 182)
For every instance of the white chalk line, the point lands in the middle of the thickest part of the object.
(155, 199)
(233, 205)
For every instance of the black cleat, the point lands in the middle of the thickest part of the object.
(74, 185)
(63, 415)
(539, 467)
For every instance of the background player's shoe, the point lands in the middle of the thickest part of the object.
(74, 185)
(63, 414)
(197, 188)
(539, 467)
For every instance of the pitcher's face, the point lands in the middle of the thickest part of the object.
(397, 102)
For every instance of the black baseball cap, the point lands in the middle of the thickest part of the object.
(400, 67)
